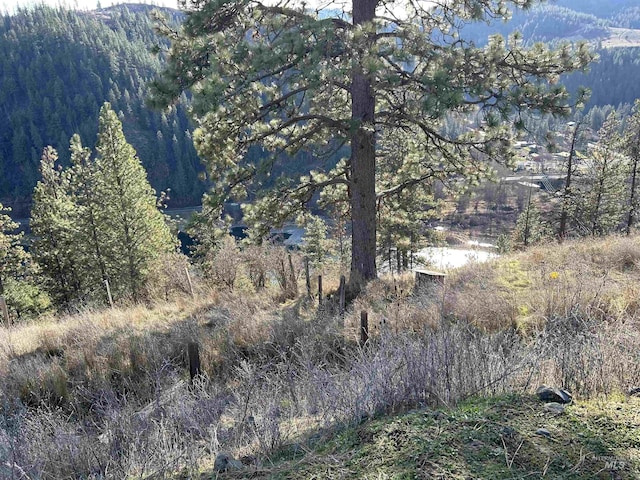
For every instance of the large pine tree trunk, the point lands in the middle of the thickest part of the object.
(363, 165)
(566, 195)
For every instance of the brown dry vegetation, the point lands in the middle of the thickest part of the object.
(106, 394)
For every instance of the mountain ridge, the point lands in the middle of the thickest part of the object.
(56, 75)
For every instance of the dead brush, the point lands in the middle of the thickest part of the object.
(476, 295)
(298, 381)
(275, 375)
(171, 276)
(256, 258)
(588, 357)
(221, 265)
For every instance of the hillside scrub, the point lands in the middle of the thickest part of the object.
(106, 394)
(496, 438)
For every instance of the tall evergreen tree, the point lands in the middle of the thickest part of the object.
(567, 195)
(87, 216)
(134, 229)
(632, 150)
(316, 245)
(12, 255)
(603, 185)
(283, 77)
(53, 226)
(530, 229)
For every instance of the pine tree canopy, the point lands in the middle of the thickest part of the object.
(98, 220)
(602, 188)
(631, 147)
(12, 255)
(286, 78)
(134, 228)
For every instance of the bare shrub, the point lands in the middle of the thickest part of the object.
(437, 367)
(223, 262)
(624, 254)
(167, 277)
(588, 356)
(286, 268)
(257, 260)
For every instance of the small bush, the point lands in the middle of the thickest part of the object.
(26, 300)
(256, 258)
(222, 263)
(167, 277)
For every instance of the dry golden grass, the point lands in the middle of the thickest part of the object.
(53, 332)
(586, 278)
(274, 370)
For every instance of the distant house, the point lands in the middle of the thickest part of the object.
(291, 236)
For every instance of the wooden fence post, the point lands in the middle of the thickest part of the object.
(193, 352)
(364, 328)
(292, 273)
(307, 276)
(4, 311)
(343, 282)
(106, 282)
(186, 270)
(319, 289)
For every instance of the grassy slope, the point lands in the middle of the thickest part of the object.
(589, 288)
(585, 279)
(483, 438)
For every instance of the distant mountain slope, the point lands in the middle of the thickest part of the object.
(610, 26)
(57, 67)
(543, 24)
(599, 8)
(628, 18)
(613, 79)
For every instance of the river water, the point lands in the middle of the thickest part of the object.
(446, 258)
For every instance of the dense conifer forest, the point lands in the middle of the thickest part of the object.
(59, 66)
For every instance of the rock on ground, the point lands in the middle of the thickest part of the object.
(554, 408)
(224, 462)
(553, 394)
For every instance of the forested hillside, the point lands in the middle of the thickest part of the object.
(600, 8)
(57, 67)
(613, 79)
(542, 24)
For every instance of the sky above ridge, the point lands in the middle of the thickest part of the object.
(9, 6)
